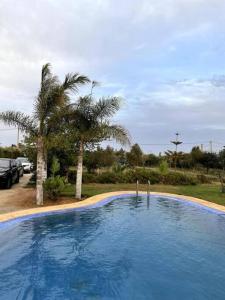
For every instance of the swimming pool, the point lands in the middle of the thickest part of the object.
(130, 248)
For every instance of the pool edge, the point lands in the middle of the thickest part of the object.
(100, 199)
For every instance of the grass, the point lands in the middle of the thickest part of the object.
(210, 192)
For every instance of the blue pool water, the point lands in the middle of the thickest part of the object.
(131, 248)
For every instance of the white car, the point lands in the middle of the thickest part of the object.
(27, 166)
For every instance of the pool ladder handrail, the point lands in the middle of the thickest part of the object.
(148, 187)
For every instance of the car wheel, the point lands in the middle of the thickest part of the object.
(17, 178)
(9, 183)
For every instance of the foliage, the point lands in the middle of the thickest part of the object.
(163, 167)
(53, 186)
(209, 160)
(65, 156)
(201, 178)
(44, 126)
(87, 177)
(174, 157)
(89, 121)
(221, 158)
(175, 178)
(135, 156)
(99, 159)
(121, 157)
(151, 160)
(196, 155)
(117, 159)
(10, 152)
(117, 168)
(55, 167)
(142, 175)
(108, 177)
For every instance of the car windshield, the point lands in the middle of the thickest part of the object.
(4, 163)
(22, 159)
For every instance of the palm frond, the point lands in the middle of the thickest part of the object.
(106, 107)
(45, 72)
(94, 83)
(23, 122)
(117, 132)
(73, 81)
(48, 84)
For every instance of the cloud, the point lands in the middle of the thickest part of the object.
(165, 57)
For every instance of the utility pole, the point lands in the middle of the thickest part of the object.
(176, 143)
(18, 137)
(210, 146)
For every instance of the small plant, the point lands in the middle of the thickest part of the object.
(55, 167)
(117, 168)
(163, 167)
(54, 185)
(221, 179)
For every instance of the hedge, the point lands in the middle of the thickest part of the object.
(140, 174)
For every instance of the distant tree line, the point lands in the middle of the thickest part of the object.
(195, 159)
(100, 158)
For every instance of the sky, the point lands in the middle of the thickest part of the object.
(165, 58)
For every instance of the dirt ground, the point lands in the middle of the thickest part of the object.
(19, 197)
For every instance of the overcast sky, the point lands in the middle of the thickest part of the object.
(166, 58)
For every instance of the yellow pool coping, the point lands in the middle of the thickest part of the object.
(97, 198)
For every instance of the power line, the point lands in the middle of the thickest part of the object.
(7, 129)
(169, 144)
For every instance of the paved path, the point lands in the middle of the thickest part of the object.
(18, 197)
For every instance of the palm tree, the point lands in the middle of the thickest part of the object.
(90, 124)
(174, 157)
(51, 97)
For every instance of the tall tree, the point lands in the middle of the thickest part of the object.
(174, 157)
(135, 156)
(90, 124)
(210, 160)
(196, 155)
(41, 125)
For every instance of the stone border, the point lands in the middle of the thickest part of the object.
(98, 200)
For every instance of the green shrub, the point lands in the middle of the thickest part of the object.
(175, 178)
(203, 179)
(89, 178)
(55, 167)
(53, 186)
(140, 174)
(109, 177)
(72, 174)
(163, 167)
(117, 168)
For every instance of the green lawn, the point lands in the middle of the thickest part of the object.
(210, 192)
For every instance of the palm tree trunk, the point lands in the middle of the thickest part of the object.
(40, 171)
(79, 171)
(44, 172)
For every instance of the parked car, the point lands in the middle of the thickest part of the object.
(9, 173)
(20, 167)
(27, 166)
